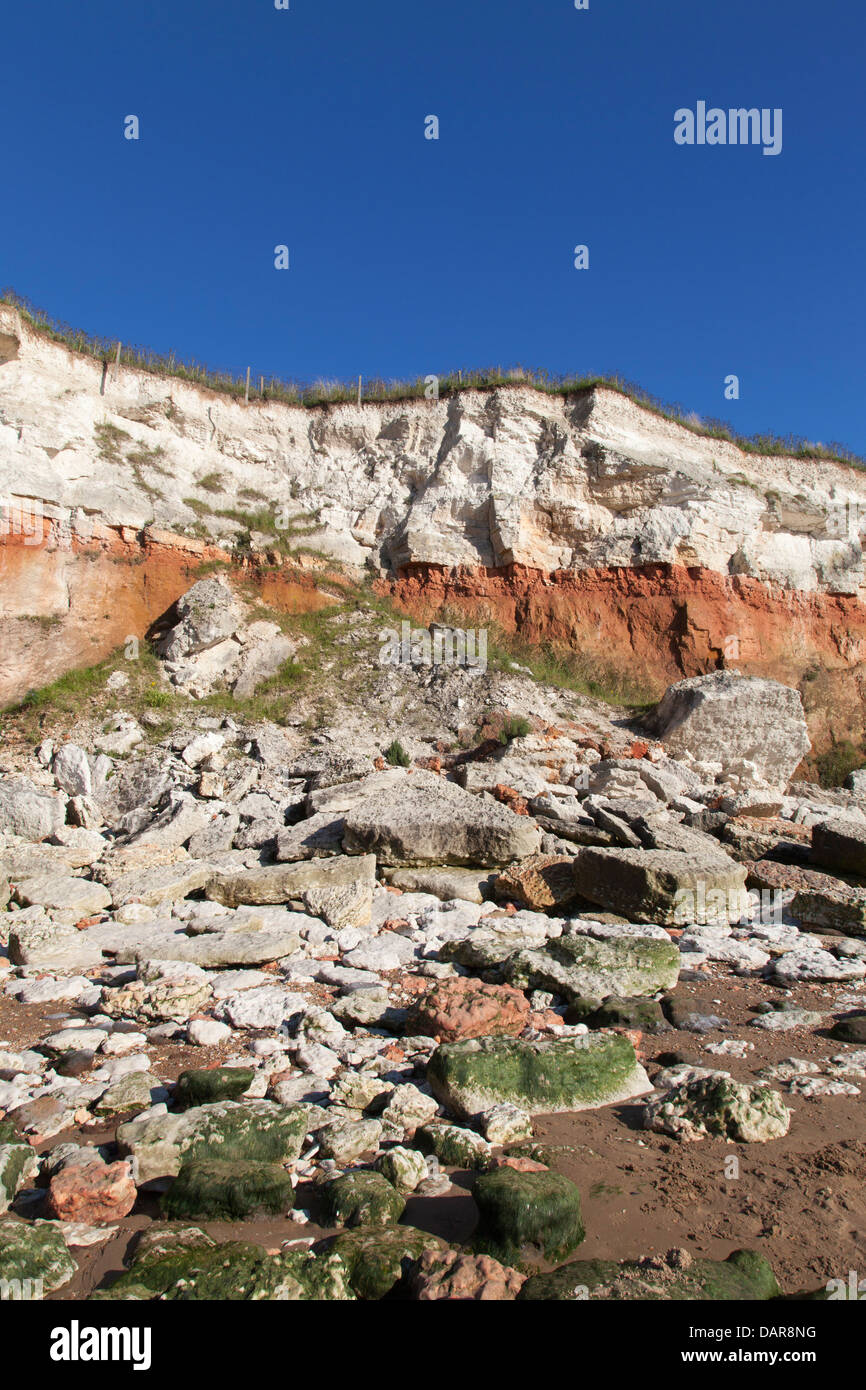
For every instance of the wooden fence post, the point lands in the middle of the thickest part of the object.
(247, 396)
(117, 361)
(359, 390)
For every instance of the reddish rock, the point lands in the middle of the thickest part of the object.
(511, 798)
(468, 1008)
(520, 1165)
(540, 882)
(457, 1276)
(95, 1193)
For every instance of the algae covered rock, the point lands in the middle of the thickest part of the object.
(454, 1146)
(18, 1162)
(716, 1105)
(187, 1264)
(577, 966)
(217, 1190)
(202, 1087)
(378, 1258)
(676, 1277)
(226, 1130)
(540, 1211)
(541, 1076)
(34, 1252)
(362, 1199)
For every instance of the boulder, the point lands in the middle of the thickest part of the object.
(467, 1008)
(580, 966)
(541, 1077)
(840, 846)
(519, 1211)
(213, 1189)
(36, 1253)
(670, 887)
(716, 1105)
(432, 821)
(27, 811)
(225, 1130)
(745, 1276)
(339, 890)
(362, 1198)
(96, 1193)
(378, 1257)
(18, 1164)
(458, 1277)
(723, 717)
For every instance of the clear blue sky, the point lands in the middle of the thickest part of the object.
(408, 256)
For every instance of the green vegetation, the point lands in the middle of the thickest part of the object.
(396, 754)
(323, 393)
(833, 766)
(515, 726)
(567, 669)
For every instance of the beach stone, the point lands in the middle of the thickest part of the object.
(665, 887)
(505, 1124)
(454, 1146)
(721, 1107)
(63, 892)
(209, 1189)
(260, 1129)
(377, 1258)
(578, 966)
(459, 1276)
(94, 1193)
(744, 1275)
(18, 1164)
(339, 890)
(346, 1140)
(466, 1008)
(405, 1168)
(203, 1087)
(362, 1198)
(34, 1252)
(574, 1073)
(840, 846)
(517, 1210)
(432, 821)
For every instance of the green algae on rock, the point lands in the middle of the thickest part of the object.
(675, 1277)
(519, 1210)
(718, 1106)
(208, 1189)
(377, 1258)
(187, 1265)
(362, 1198)
(544, 1076)
(201, 1087)
(226, 1130)
(35, 1252)
(579, 966)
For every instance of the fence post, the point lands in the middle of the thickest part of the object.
(247, 396)
(117, 362)
(359, 390)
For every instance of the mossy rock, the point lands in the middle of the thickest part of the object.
(520, 1211)
(576, 966)
(721, 1107)
(8, 1133)
(226, 1130)
(194, 1268)
(378, 1258)
(362, 1199)
(129, 1095)
(201, 1087)
(575, 1073)
(209, 1189)
(34, 1252)
(744, 1275)
(18, 1162)
(453, 1146)
(645, 1014)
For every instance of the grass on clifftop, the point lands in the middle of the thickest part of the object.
(320, 393)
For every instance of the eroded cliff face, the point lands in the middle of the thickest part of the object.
(589, 522)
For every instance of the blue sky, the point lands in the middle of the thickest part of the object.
(408, 256)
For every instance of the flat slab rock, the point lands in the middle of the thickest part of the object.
(669, 887)
(432, 821)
